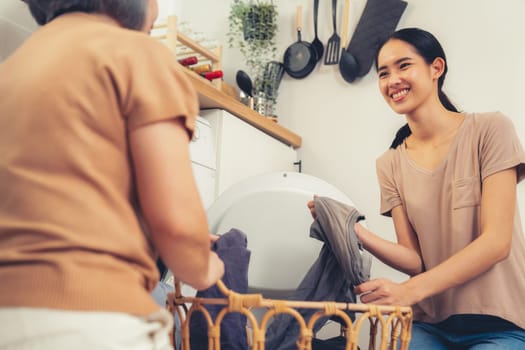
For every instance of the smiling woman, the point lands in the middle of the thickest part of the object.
(423, 48)
(449, 183)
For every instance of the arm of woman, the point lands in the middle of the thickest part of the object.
(405, 255)
(493, 245)
(171, 204)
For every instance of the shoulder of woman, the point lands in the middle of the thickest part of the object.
(384, 158)
(388, 160)
(150, 56)
(491, 119)
(389, 155)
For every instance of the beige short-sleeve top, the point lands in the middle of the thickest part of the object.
(443, 207)
(69, 235)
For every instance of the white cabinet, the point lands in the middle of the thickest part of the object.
(202, 152)
(243, 151)
(205, 179)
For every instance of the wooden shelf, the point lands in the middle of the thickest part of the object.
(210, 94)
(210, 97)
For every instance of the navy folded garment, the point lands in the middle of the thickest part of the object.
(231, 248)
(336, 343)
(378, 21)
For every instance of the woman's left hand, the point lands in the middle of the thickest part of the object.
(385, 292)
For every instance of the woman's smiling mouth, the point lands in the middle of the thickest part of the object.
(399, 95)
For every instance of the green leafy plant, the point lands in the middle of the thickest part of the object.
(253, 30)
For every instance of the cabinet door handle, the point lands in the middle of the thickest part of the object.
(299, 164)
(196, 134)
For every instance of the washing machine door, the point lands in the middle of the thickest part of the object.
(272, 211)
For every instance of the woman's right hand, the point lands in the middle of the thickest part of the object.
(360, 231)
(311, 207)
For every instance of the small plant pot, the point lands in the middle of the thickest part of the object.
(257, 24)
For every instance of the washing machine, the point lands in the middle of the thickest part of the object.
(271, 209)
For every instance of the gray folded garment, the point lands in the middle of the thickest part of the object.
(335, 226)
(341, 266)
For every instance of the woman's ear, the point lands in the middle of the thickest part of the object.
(438, 67)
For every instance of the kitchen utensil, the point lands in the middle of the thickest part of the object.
(347, 64)
(334, 42)
(300, 58)
(272, 77)
(244, 82)
(316, 43)
(378, 21)
(266, 99)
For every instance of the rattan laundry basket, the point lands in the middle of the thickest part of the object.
(390, 326)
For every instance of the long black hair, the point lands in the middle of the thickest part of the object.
(130, 14)
(428, 47)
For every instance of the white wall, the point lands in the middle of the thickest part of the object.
(16, 24)
(346, 126)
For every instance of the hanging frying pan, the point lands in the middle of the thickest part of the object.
(300, 58)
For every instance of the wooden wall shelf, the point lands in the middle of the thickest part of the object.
(210, 97)
(210, 94)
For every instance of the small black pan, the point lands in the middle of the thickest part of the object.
(300, 58)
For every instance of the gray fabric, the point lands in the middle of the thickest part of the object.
(341, 265)
(335, 226)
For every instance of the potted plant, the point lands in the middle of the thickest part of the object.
(253, 30)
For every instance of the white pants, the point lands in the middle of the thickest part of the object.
(45, 329)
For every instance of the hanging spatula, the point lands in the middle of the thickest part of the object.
(333, 47)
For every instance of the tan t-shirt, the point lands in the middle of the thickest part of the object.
(443, 207)
(69, 235)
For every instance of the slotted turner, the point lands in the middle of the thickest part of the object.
(333, 47)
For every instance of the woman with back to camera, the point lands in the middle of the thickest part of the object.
(95, 122)
(449, 183)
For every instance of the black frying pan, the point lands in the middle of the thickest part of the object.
(300, 58)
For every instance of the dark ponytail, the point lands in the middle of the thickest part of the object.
(445, 101)
(401, 135)
(429, 48)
